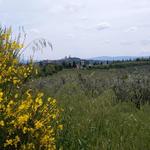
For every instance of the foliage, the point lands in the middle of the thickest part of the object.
(134, 88)
(26, 121)
(47, 69)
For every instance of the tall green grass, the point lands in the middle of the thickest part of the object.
(97, 121)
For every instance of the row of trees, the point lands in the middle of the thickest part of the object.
(47, 69)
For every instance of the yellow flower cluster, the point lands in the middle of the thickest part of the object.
(27, 121)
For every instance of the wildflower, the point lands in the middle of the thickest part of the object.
(16, 95)
(25, 129)
(24, 105)
(53, 102)
(39, 101)
(23, 119)
(15, 80)
(8, 142)
(38, 124)
(60, 127)
(2, 123)
(16, 140)
(1, 95)
(47, 139)
(53, 116)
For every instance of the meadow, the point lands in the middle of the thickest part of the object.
(103, 109)
(71, 109)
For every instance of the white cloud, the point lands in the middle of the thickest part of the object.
(145, 53)
(70, 36)
(74, 7)
(56, 9)
(146, 25)
(78, 21)
(145, 42)
(103, 26)
(107, 42)
(71, 7)
(126, 43)
(1, 1)
(34, 30)
(84, 18)
(132, 29)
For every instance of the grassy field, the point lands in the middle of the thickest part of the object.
(103, 109)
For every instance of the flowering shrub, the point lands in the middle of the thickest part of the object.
(26, 121)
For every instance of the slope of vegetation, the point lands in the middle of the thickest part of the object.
(103, 109)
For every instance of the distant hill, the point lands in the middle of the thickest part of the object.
(91, 60)
(115, 58)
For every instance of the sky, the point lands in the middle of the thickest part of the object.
(82, 28)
